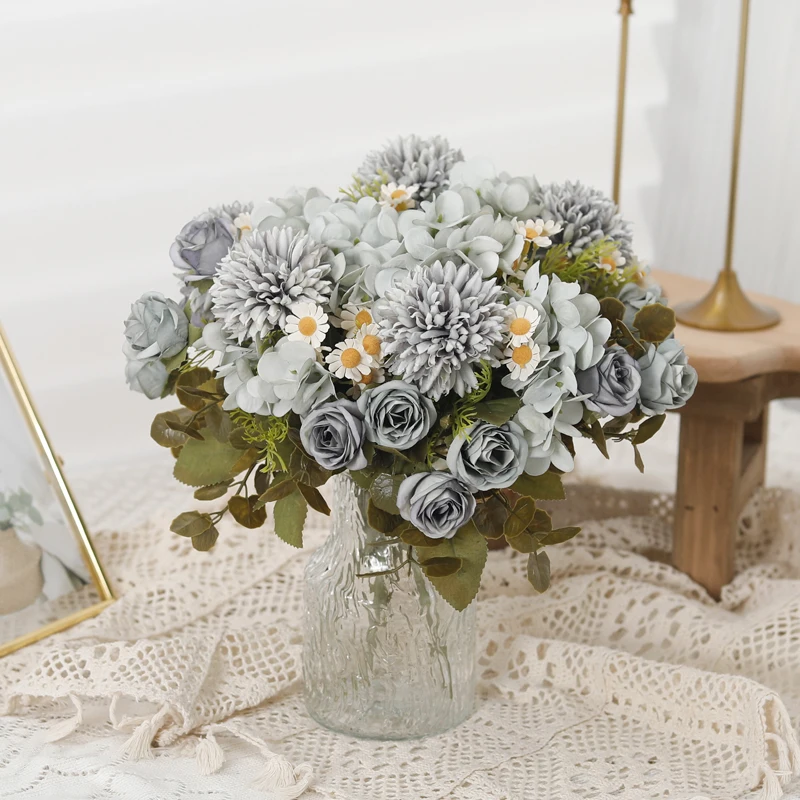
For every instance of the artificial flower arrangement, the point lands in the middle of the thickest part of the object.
(440, 330)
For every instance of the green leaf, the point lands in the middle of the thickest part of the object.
(612, 309)
(460, 588)
(637, 458)
(380, 520)
(616, 425)
(520, 517)
(162, 434)
(597, 435)
(490, 517)
(524, 542)
(363, 477)
(173, 362)
(541, 522)
(238, 440)
(192, 379)
(282, 486)
(191, 523)
(243, 510)
(540, 487)
(635, 348)
(194, 334)
(441, 566)
(408, 534)
(539, 570)
(559, 535)
(208, 461)
(314, 499)
(186, 430)
(205, 541)
(383, 491)
(290, 518)
(261, 481)
(654, 322)
(649, 428)
(499, 410)
(212, 492)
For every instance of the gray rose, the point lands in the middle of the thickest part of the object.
(156, 327)
(437, 503)
(314, 386)
(636, 297)
(202, 244)
(148, 376)
(486, 457)
(613, 384)
(333, 435)
(396, 414)
(668, 380)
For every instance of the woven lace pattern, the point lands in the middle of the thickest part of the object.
(624, 681)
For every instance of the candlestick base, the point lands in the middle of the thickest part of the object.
(726, 308)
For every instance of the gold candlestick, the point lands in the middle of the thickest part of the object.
(625, 10)
(726, 307)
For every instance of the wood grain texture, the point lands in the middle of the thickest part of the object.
(722, 357)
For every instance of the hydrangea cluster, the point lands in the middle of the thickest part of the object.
(440, 330)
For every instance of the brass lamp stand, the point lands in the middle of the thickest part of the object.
(726, 307)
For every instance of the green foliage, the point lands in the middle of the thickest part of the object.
(314, 499)
(290, 518)
(246, 512)
(490, 517)
(498, 410)
(380, 520)
(16, 508)
(655, 322)
(383, 491)
(464, 410)
(540, 487)
(361, 188)
(212, 492)
(207, 461)
(459, 587)
(198, 527)
(266, 434)
(539, 570)
(166, 434)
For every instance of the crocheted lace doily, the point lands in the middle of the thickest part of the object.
(624, 681)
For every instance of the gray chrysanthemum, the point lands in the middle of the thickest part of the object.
(232, 210)
(263, 275)
(586, 214)
(412, 159)
(440, 321)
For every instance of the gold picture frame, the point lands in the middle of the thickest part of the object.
(50, 463)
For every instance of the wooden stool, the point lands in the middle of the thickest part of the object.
(723, 438)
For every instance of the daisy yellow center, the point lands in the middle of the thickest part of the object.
(372, 344)
(609, 262)
(520, 326)
(398, 194)
(522, 355)
(366, 380)
(531, 233)
(350, 358)
(307, 326)
(363, 318)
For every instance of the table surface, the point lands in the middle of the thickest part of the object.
(722, 357)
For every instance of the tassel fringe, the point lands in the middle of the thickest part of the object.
(65, 727)
(139, 745)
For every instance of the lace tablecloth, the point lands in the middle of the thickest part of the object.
(624, 681)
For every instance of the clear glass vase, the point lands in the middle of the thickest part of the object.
(385, 657)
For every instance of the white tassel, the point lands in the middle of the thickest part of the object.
(281, 780)
(771, 788)
(138, 746)
(65, 727)
(210, 756)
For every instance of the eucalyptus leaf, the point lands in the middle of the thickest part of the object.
(191, 523)
(206, 540)
(655, 322)
(539, 570)
(290, 518)
(212, 492)
(612, 309)
(519, 517)
(490, 517)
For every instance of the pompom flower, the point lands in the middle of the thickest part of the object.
(522, 360)
(307, 323)
(349, 360)
(438, 323)
(523, 320)
(539, 232)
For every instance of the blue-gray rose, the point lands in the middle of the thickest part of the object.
(437, 503)
(148, 376)
(668, 380)
(202, 244)
(636, 297)
(333, 435)
(486, 456)
(613, 384)
(156, 327)
(396, 414)
(314, 386)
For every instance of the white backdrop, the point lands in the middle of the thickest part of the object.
(121, 119)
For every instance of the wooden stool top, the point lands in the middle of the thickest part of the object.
(723, 357)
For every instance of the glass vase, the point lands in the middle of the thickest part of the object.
(384, 657)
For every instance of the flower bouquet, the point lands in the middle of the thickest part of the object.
(439, 331)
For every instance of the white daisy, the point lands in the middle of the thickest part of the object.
(522, 360)
(375, 376)
(349, 360)
(399, 197)
(523, 319)
(612, 262)
(353, 317)
(243, 223)
(368, 336)
(538, 231)
(307, 323)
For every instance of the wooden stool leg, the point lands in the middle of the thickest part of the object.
(706, 502)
